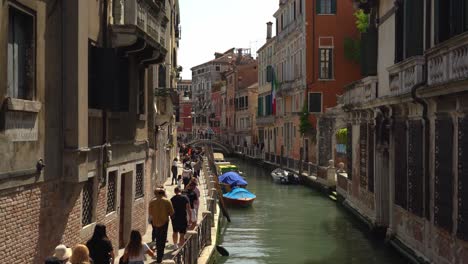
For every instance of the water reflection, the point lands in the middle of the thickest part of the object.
(294, 224)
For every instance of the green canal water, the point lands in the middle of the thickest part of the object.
(295, 224)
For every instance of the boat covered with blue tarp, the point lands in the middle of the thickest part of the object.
(239, 197)
(231, 179)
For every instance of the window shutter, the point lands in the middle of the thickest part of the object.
(401, 181)
(330, 63)
(415, 167)
(319, 11)
(333, 6)
(462, 230)
(363, 155)
(370, 165)
(443, 173)
(349, 151)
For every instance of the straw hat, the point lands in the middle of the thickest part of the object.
(62, 252)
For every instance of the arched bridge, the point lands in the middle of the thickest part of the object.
(214, 143)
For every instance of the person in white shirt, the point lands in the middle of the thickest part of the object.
(135, 250)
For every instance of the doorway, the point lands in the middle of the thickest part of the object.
(125, 212)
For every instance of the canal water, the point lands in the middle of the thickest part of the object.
(295, 224)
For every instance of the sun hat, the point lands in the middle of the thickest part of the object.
(62, 252)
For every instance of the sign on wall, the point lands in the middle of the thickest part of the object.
(21, 126)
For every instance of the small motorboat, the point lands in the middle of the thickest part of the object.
(284, 177)
(239, 197)
(231, 179)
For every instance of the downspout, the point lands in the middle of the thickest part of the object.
(427, 141)
(424, 105)
(105, 139)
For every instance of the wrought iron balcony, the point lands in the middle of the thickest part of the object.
(405, 75)
(448, 61)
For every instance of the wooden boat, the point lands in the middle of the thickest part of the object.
(239, 197)
(231, 179)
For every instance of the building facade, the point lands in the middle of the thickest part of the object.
(74, 72)
(289, 77)
(406, 129)
(265, 119)
(332, 63)
(184, 129)
(203, 77)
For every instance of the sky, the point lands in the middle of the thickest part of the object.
(210, 26)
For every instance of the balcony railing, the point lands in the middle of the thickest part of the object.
(361, 91)
(265, 120)
(449, 61)
(144, 14)
(405, 75)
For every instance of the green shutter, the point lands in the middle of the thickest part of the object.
(318, 6)
(333, 6)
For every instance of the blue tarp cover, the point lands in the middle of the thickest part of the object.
(232, 178)
(238, 193)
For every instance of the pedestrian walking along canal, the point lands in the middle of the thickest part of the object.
(296, 224)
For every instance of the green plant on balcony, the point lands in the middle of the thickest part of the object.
(362, 20)
(352, 49)
(305, 126)
(342, 136)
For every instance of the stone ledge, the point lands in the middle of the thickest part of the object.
(14, 104)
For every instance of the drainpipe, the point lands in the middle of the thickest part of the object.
(424, 105)
(427, 141)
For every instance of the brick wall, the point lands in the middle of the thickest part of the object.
(35, 219)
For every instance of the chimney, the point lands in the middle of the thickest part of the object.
(269, 25)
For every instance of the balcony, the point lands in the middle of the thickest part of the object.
(265, 120)
(362, 91)
(405, 75)
(136, 20)
(448, 62)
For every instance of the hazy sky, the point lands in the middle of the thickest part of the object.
(210, 26)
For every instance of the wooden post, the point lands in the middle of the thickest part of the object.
(193, 247)
(209, 217)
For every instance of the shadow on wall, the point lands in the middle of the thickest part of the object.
(57, 204)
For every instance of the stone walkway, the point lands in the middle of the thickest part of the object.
(169, 251)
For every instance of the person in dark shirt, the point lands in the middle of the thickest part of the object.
(192, 196)
(181, 206)
(100, 247)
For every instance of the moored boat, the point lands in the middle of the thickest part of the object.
(231, 179)
(284, 177)
(239, 197)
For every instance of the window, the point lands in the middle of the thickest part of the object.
(139, 184)
(21, 54)
(111, 191)
(141, 92)
(87, 207)
(315, 102)
(451, 18)
(218, 68)
(325, 64)
(326, 6)
(409, 30)
(162, 76)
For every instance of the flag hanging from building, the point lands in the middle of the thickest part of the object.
(274, 87)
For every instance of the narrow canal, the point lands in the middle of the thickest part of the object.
(295, 224)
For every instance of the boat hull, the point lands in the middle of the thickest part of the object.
(242, 202)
